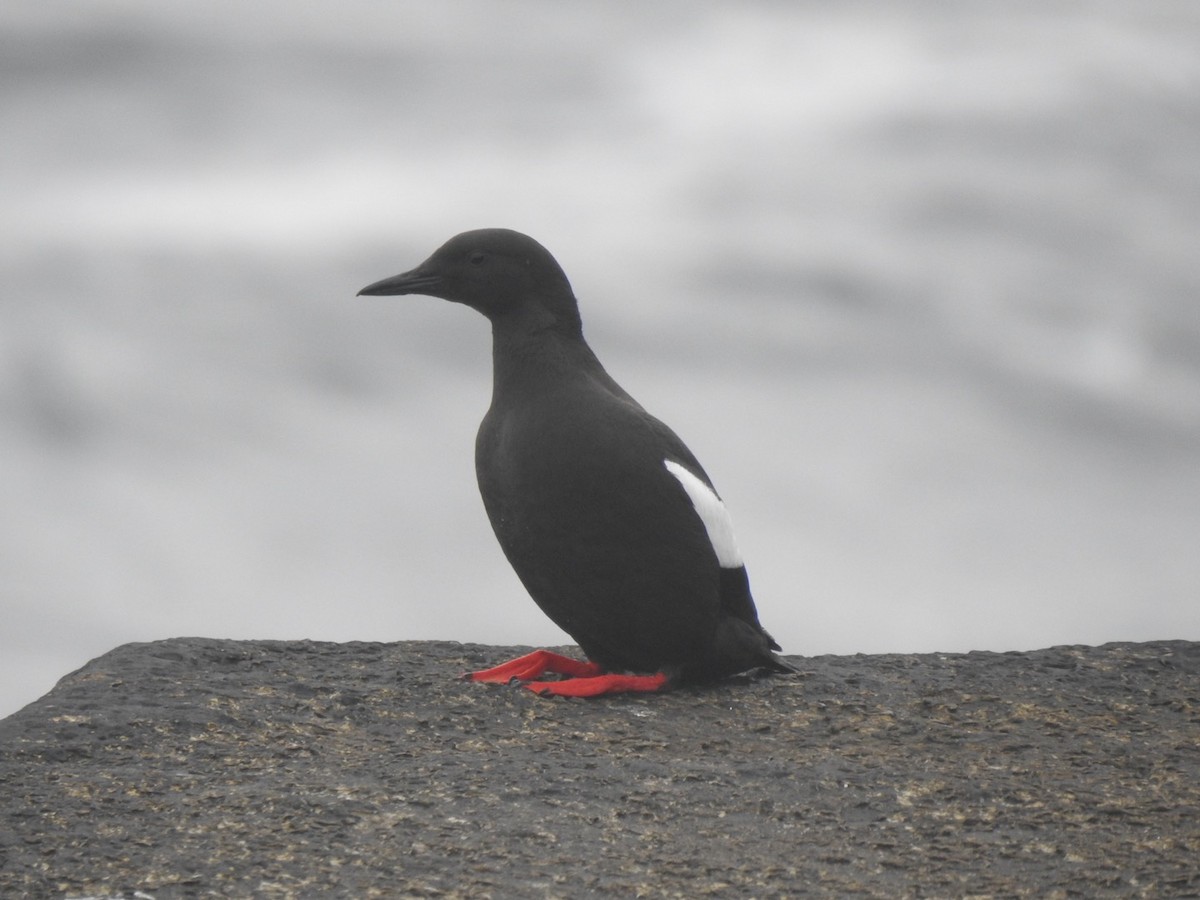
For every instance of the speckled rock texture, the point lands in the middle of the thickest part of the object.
(212, 768)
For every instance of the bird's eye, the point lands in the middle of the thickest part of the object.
(477, 258)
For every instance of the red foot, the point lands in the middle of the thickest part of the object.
(531, 665)
(599, 684)
(584, 679)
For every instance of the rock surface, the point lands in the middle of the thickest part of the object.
(198, 768)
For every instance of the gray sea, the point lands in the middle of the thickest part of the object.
(919, 283)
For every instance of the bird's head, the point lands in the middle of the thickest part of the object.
(506, 275)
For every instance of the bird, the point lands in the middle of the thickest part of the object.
(607, 518)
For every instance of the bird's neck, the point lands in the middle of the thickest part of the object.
(527, 363)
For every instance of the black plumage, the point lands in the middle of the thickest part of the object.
(604, 534)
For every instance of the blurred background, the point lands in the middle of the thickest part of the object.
(919, 284)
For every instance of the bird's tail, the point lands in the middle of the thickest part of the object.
(775, 663)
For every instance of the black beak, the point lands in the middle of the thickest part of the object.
(414, 282)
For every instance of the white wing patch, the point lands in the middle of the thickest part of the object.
(712, 512)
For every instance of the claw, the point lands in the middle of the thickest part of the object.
(584, 679)
(532, 665)
(597, 685)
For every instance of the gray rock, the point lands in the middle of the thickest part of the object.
(196, 768)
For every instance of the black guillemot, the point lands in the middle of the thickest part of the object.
(606, 516)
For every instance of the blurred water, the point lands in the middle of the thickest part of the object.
(919, 286)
